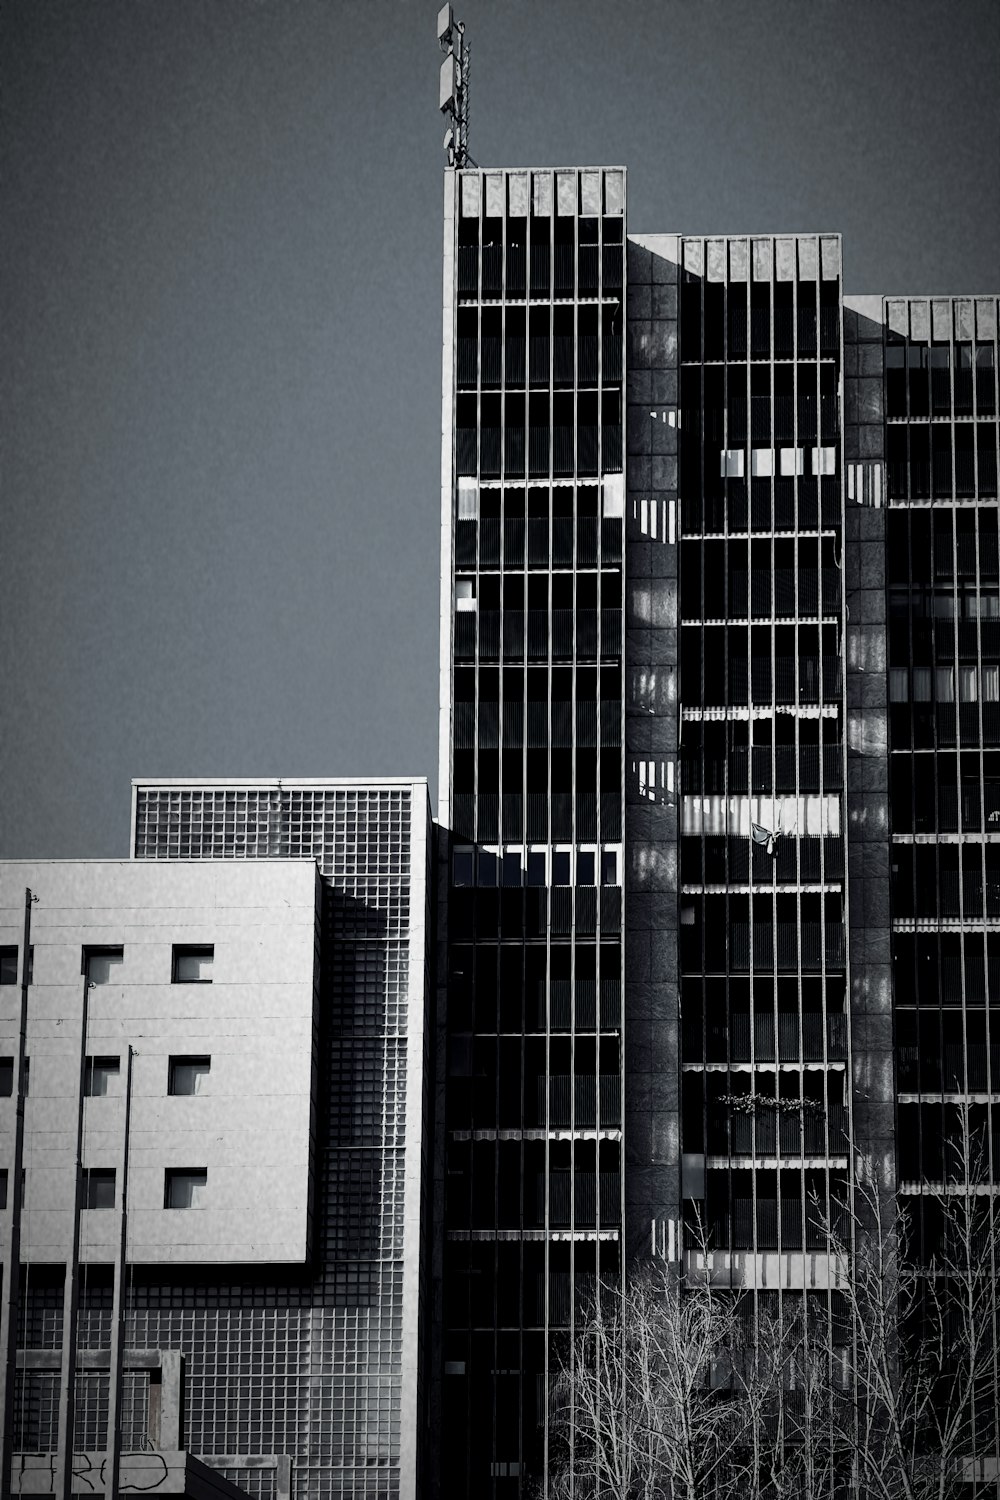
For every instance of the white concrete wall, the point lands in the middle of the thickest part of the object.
(250, 1128)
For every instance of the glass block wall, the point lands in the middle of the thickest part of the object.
(321, 1364)
(531, 797)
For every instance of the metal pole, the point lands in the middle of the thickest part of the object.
(12, 1256)
(117, 1368)
(67, 1382)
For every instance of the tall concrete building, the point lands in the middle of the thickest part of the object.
(718, 647)
(246, 998)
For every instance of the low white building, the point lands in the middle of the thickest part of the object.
(228, 1031)
(208, 973)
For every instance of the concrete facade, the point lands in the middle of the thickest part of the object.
(250, 1125)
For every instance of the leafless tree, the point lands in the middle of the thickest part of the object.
(923, 1328)
(661, 1397)
(667, 1393)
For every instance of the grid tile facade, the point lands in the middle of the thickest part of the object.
(314, 1365)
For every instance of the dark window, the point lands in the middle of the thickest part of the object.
(6, 1077)
(98, 1187)
(193, 965)
(189, 1075)
(100, 1076)
(184, 1187)
(103, 965)
(8, 965)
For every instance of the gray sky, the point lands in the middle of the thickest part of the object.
(221, 326)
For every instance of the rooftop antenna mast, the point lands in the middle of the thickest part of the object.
(454, 92)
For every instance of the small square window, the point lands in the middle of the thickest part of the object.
(6, 1077)
(100, 1076)
(189, 1075)
(98, 1187)
(8, 964)
(185, 1187)
(193, 965)
(103, 965)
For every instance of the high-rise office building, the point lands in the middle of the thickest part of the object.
(942, 625)
(691, 495)
(277, 1333)
(531, 1166)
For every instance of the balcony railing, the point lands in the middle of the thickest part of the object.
(785, 946)
(611, 359)
(492, 270)
(576, 1197)
(576, 1099)
(489, 542)
(612, 267)
(514, 352)
(589, 270)
(538, 451)
(563, 270)
(540, 271)
(468, 269)
(769, 1134)
(513, 541)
